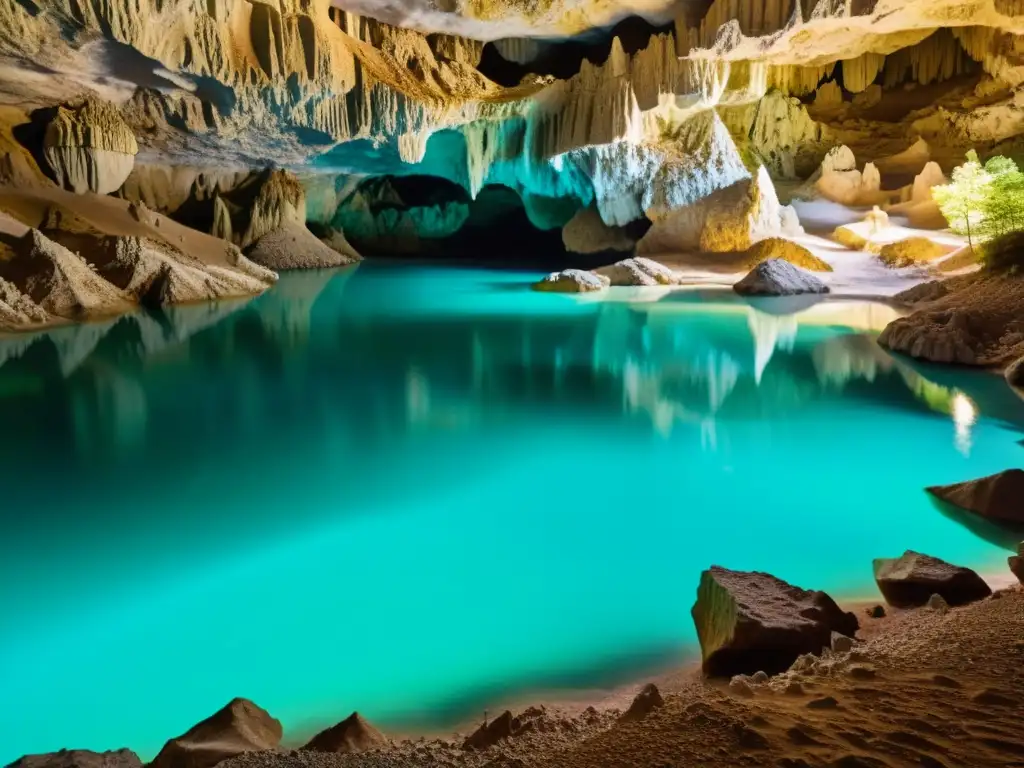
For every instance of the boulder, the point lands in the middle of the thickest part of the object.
(910, 252)
(80, 758)
(638, 271)
(1016, 563)
(645, 702)
(777, 277)
(748, 621)
(998, 497)
(586, 232)
(351, 735)
(571, 281)
(912, 579)
(787, 250)
(239, 727)
(90, 148)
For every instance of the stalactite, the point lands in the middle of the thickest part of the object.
(861, 72)
(936, 58)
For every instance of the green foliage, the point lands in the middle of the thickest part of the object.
(1004, 253)
(983, 200)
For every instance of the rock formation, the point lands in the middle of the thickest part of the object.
(787, 250)
(90, 148)
(778, 277)
(1016, 563)
(239, 727)
(571, 281)
(750, 622)
(999, 497)
(585, 232)
(80, 758)
(638, 272)
(910, 252)
(910, 580)
(645, 702)
(351, 735)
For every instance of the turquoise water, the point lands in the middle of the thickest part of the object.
(419, 491)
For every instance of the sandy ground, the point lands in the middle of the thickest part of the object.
(920, 688)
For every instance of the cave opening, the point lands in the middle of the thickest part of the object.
(563, 58)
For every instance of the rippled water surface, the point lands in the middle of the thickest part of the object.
(418, 491)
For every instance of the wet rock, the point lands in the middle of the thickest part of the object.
(645, 702)
(351, 735)
(80, 758)
(999, 497)
(571, 281)
(239, 727)
(748, 621)
(777, 277)
(912, 579)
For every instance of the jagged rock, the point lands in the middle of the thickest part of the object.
(80, 758)
(998, 497)
(571, 281)
(280, 201)
(645, 702)
(90, 148)
(336, 241)
(587, 233)
(910, 580)
(638, 272)
(945, 336)
(17, 309)
(489, 734)
(787, 250)
(239, 727)
(1016, 563)
(351, 735)
(753, 621)
(910, 252)
(58, 281)
(292, 246)
(777, 277)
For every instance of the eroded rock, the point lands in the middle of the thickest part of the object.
(587, 233)
(80, 758)
(645, 702)
(638, 271)
(777, 277)
(350, 736)
(239, 727)
(749, 621)
(911, 580)
(90, 148)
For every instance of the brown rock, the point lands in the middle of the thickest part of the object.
(1015, 374)
(351, 735)
(748, 621)
(999, 497)
(645, 702)
(80, 758)
(489, 734)
(1016, 563)
(912, 579)
(239, 727)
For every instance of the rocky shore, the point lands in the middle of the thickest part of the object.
(788, 678)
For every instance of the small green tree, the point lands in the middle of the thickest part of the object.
(1003, 206)
(962, 200)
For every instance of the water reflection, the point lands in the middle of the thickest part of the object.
(682, 360)
(463, 450)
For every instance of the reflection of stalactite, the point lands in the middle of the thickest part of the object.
(770, 332)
